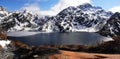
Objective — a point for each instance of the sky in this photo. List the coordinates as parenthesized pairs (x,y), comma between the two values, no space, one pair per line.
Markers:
(52,7)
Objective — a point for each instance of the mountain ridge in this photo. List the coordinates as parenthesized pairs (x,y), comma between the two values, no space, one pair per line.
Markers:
(112,27)
(81,18)
(84,17)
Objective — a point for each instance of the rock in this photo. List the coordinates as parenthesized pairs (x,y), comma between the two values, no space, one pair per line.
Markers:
(3,36)
(1,48)
(116,38)
(34,52)
(112,27)
(19,44)
(110,47)
(5,53)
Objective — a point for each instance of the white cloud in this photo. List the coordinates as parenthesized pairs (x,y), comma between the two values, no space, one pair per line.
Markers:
(115,9)
(33,8)
(62,4)
(31,1)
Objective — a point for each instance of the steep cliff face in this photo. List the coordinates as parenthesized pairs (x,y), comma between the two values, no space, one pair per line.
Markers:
(112,27)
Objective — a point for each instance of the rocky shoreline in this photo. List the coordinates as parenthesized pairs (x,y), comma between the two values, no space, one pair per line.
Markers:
(18,50)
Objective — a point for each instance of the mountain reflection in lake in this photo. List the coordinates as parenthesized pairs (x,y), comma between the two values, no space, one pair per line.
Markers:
(71,38)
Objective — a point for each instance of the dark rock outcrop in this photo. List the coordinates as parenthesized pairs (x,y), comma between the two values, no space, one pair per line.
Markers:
(112,27)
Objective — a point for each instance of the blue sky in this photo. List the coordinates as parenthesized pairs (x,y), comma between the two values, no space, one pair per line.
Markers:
(106,4)
(12,5)
(47,5)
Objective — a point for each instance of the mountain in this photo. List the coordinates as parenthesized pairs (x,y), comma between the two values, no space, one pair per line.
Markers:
(3,12)
(21,20)
(16,21)
(112,27)
(81,18)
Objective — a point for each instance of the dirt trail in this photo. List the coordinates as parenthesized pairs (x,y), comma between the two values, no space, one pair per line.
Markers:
(83,55)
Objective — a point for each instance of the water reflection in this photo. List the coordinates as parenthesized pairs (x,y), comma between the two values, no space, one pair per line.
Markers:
(71,38)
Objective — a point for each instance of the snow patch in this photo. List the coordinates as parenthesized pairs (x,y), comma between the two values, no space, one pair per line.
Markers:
(3,43)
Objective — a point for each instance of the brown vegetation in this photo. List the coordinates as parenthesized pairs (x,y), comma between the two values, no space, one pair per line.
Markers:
(24,51)
(116,38)
(3,36)
(110,47)
(16,43)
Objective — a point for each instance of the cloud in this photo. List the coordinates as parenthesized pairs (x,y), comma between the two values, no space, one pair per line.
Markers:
(33,8)
(62,4)
(31,1)
(115,9)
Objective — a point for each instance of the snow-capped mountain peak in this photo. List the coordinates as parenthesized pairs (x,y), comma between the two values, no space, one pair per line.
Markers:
(3,12)
(17,21)
(81,18)
(112,27)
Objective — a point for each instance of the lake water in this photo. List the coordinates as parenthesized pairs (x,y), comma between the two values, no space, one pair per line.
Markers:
(70,38)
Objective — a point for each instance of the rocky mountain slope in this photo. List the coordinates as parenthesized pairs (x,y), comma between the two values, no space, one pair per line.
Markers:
(17,21)
(72,19)
(112,27)
(81,18)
